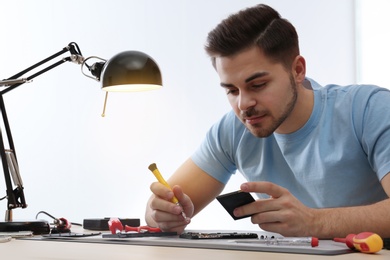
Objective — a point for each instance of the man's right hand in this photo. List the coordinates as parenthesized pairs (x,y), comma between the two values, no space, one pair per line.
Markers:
(163,213)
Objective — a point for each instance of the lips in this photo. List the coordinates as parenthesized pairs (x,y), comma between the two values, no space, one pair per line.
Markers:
(254,119)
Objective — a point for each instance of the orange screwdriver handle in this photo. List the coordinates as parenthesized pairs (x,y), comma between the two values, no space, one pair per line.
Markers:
(365,242)
(368,242)
(347,240)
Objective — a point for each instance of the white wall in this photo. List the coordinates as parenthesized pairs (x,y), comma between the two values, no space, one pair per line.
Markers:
(373,40)
(76,164)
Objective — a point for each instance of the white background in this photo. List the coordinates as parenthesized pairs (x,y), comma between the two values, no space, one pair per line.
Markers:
(76,164)
(373,41)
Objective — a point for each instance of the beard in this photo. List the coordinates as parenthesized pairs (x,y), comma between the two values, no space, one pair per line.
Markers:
(260,130)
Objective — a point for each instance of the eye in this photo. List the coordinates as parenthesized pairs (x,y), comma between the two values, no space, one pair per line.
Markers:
(231,91)
(259,85)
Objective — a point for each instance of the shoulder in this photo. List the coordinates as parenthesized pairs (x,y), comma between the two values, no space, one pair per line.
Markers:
(361,97)
(357,90)
(229,124)
(228,135)
(355,94)
(352,88)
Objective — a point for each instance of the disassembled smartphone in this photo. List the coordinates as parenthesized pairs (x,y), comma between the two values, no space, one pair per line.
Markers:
(217,235)
(235,199)
(71,234)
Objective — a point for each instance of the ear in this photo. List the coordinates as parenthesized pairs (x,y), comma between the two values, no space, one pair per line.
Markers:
(299,69)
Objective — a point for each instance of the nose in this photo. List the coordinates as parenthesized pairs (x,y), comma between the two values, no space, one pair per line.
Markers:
(245,101)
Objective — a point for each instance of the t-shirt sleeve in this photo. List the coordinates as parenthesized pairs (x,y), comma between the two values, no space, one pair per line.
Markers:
(215,154)
(375,130)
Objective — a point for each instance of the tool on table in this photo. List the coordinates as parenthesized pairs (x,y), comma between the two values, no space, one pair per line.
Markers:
(365,242)
(61,225)
(4,239)
(70,234)
(116,226)
(16,234)
(156,172)
(118,231)
(142,229)
(217,235)
(283,241)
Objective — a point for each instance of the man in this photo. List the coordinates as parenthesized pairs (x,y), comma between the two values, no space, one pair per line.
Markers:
(317,157)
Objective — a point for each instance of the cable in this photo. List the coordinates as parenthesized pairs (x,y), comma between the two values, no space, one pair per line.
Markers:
(44,212)
(54,218)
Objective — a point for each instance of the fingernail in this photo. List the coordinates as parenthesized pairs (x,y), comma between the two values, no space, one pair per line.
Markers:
(178,209)
(170,195)
(244,187)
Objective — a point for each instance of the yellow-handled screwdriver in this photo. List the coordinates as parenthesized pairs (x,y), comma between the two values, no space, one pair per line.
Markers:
(153,168)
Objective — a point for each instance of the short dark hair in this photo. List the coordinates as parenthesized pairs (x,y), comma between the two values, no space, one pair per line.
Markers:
(260,26)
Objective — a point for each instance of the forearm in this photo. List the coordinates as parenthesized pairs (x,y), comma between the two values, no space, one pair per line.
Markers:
(339,222)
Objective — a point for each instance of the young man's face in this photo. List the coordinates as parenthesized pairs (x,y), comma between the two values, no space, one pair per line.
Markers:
(262,93)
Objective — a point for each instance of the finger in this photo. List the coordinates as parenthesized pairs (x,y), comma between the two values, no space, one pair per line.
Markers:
(183,199)
(275,227)
(266,217)
(177,190)
(185,203)
(161,191)
(283,228)
(168,222)
(269,188)
(173,226)
(258,206)
(160,204)
(163,216)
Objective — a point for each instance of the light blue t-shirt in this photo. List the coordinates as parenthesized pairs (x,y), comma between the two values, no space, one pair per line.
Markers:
(336,159)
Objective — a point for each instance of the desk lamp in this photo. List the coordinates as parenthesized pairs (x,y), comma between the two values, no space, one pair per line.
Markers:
(126,71)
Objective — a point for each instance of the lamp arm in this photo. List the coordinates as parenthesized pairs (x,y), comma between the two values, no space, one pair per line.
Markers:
(15,197)
(13,82)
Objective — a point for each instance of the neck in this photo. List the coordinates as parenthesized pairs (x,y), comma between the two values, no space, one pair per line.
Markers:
(301,112)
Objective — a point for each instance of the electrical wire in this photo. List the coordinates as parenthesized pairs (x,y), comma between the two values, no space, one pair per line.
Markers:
(51,216)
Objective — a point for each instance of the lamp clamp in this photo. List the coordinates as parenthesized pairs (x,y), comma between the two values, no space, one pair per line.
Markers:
(95,69)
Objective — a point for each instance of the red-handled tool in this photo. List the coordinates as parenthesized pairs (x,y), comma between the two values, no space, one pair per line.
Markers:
(116,226)
(142,229)
(365,242)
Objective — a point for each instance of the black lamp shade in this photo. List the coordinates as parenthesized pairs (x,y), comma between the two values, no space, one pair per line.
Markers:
(131,71)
